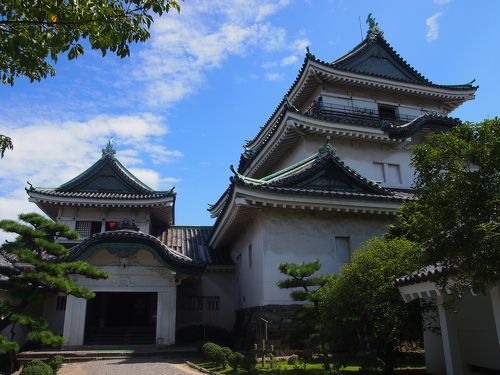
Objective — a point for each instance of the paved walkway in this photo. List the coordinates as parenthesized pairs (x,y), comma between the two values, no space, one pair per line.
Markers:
(129,366)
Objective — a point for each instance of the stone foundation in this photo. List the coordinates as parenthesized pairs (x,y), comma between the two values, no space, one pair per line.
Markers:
(281,320)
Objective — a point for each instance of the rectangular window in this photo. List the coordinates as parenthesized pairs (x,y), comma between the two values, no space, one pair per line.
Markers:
(250,255)
(212,303)
(379,171)
(342,249)
(87,228)
(61,303)
(387,112)
(393,174)
(388,173)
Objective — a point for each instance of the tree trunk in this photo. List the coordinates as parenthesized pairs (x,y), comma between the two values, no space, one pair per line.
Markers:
(389,361)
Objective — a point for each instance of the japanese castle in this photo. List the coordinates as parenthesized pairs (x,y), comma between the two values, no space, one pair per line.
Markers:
(327,171)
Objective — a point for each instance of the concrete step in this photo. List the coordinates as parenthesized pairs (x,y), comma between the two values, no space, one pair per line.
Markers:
(96,352)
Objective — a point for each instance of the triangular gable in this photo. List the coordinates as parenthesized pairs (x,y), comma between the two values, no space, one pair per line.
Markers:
(327,173)
(323,171)
(106,175)
(376,57)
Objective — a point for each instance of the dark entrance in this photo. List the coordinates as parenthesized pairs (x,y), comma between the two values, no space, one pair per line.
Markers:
(121,319)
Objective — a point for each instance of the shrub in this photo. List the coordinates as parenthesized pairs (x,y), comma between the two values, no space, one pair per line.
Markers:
(236,360)
(292,359)
(36,367)
(214,353)
(227,354)
(55,362)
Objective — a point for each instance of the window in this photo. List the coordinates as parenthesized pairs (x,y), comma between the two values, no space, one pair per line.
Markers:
(250,260)
(213,303)
(342,249)
(388,173)
(393,174)
(379,173)
(87,228)
(387,112)
(61,303)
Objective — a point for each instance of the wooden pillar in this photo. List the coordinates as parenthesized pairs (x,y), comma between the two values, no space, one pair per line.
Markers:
(165,316)
(74,320)
(451,343)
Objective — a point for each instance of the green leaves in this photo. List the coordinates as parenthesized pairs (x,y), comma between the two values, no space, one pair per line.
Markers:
(361,308)
(34,33)
(38,269)
(456,217)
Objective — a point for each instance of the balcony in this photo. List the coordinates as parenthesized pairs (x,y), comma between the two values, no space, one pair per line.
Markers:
(356,115)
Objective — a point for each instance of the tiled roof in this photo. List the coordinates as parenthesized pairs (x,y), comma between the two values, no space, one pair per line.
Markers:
(392,66)
(3,261)
(105,179)
(425,274)
(192,242)
(99,195)
(432,121)
(176,259)
(322,174)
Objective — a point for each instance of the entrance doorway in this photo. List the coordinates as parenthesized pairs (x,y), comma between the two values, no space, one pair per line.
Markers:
(116,318)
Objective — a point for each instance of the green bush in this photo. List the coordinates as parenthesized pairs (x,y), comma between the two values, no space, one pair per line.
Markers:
(227,354)
(36,367)
(55,362)
(236,360)
(212,352)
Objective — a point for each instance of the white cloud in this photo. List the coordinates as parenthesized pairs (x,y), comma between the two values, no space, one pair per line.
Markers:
(50,153)
(289,60)
(273,76)
(442,2)
(183,47)
(433,27)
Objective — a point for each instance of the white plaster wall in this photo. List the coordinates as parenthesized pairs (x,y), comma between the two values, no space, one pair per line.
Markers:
(298,236)
(366,98)
(249,287)
(476,329)
(69,215)
(221,284)
(358,155)
(54,318)
(433,344)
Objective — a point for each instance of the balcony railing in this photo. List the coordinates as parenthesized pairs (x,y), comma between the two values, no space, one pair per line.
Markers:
(356,115)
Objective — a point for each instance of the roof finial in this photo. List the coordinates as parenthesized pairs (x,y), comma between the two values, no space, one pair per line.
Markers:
(327,148)
(373,29)
(109,150)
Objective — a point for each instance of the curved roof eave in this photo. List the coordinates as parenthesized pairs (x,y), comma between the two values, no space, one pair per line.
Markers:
(173,259)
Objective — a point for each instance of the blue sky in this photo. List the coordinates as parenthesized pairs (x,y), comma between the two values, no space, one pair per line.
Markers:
(180,108)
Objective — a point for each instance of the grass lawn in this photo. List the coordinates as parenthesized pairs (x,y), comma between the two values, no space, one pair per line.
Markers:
(407,365)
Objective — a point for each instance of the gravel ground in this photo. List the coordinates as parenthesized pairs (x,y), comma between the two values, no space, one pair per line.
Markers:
(129,366)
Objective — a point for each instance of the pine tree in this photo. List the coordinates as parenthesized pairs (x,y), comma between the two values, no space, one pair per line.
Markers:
(35,268)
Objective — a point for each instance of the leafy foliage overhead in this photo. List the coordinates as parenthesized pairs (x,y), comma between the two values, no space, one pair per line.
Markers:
(34,33)
(456,217)
(35,268)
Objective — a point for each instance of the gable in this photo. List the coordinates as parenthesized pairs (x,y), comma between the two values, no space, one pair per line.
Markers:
(378,59)
(329,178)
(106,179)
(324,172)
(107,175)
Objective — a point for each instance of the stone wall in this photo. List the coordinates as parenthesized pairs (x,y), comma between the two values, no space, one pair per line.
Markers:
(281,320)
